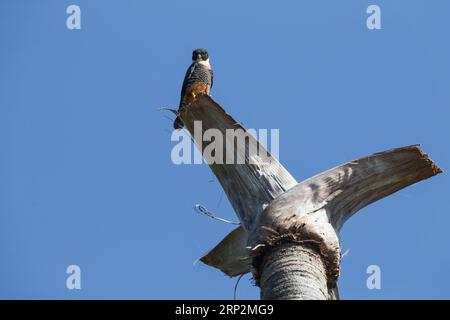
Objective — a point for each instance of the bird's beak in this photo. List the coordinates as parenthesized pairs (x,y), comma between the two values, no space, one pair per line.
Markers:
(199,57)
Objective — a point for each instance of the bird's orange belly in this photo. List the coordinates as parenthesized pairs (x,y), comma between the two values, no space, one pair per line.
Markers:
(193,90)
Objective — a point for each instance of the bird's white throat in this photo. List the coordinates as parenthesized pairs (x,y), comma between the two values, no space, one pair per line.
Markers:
(205,63)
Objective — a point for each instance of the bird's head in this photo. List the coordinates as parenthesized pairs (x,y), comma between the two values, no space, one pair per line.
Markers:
(200,55)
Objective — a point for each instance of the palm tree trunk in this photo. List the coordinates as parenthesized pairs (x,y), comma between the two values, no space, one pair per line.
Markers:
(289,233)
(291,271)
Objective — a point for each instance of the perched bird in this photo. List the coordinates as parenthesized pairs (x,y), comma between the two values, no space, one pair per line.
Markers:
(198,80)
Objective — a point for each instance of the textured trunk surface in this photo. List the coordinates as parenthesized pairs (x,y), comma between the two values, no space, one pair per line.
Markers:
(291,271)
(289,233)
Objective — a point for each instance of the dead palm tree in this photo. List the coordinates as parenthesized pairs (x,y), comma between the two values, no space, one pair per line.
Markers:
(289,233)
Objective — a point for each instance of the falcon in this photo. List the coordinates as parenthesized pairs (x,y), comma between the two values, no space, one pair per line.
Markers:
(198,80)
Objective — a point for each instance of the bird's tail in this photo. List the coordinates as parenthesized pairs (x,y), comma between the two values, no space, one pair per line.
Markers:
(178,123)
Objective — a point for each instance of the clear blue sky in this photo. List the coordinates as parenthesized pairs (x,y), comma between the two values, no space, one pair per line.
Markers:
(85,171)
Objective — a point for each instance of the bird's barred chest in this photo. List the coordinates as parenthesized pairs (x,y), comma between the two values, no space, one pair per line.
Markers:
(200,74)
